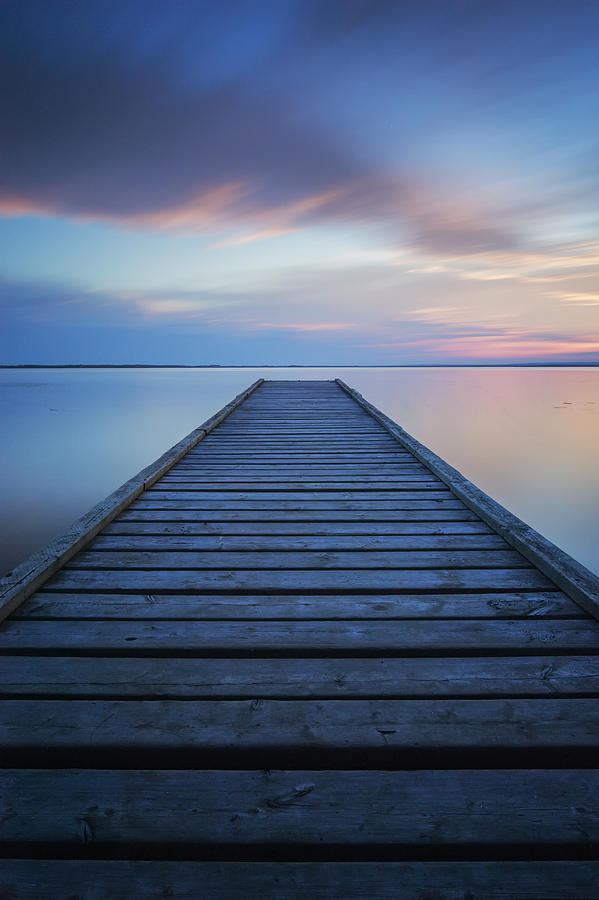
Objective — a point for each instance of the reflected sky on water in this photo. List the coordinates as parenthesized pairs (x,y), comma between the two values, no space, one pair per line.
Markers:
(529,437)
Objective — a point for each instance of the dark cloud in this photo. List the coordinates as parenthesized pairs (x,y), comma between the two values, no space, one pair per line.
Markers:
(102,120)
(129,111)
(107,137)
(99,121)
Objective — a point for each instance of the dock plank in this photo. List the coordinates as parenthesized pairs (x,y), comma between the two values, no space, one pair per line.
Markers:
(382,726)
(411,513)
(506,605)
(448,636)
(326,580)
(161,558)
(352,808)
(323,528)
(363,543)
(91,879)
(320,678)
(329,494)
(405,492)
(200,481)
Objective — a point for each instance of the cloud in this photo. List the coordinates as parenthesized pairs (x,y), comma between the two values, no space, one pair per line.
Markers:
(360,314)
(306,326)
(577,298)
(557,263)
(41,302)
(182,135)
(497,342)
(224,117)
(104,137)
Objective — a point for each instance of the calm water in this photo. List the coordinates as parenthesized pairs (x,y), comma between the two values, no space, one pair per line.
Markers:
(529,437)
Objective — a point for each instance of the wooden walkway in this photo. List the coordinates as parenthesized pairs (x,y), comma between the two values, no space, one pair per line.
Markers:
(303,661)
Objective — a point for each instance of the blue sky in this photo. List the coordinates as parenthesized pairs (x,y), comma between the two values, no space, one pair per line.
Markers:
(299,182)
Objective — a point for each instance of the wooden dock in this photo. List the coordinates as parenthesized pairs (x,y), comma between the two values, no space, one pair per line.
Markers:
(300,656)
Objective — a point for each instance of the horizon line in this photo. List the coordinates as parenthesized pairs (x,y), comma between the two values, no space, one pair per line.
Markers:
(460,365)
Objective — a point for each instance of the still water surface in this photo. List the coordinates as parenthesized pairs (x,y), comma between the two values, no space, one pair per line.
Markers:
(528,437)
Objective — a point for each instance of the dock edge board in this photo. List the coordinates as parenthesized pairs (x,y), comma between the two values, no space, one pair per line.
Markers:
(29,575)
(567,573)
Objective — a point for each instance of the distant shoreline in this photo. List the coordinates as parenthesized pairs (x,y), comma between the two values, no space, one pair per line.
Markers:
(532,365)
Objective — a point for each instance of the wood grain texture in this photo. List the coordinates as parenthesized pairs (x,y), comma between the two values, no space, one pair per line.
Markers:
(199,481)
(365,529)
(27,879)
(353,808)
(273,542)
(506,605)
(302,580)
(219,638)
(409,512)
(264,677)
(318,725)
(264,560)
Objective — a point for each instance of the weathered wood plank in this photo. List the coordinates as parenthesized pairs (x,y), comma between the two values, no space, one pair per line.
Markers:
(301,439)
(448,636)
(337,426)
(323,528)
(321,450)
(179,480)
(310,408)
(223,495)
(301,430)
(420,490)
(287,419)
(329,466)
(281,447)
(273,393)
(152,501)
(189,515)
(31,879)
(300,455)
(537,604)
(347,677)
(256,424)
(257,428)
(303,559)
(290,422)
(326,580)
(361,725)
(262,471)
(273,542)
(354,808)
(332,463)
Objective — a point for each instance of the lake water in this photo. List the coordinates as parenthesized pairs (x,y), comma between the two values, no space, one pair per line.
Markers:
(528,437)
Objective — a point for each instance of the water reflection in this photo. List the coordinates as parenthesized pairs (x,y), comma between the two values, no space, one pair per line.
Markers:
(529,437)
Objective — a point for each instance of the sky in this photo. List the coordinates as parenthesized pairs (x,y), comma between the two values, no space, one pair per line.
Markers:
(299,182)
